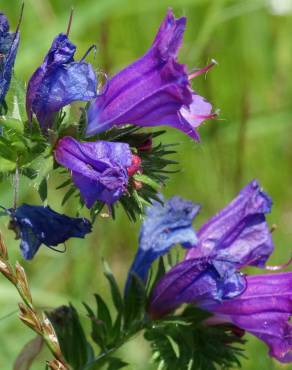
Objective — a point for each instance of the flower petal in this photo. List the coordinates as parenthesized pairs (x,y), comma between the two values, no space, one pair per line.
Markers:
(193,281)
(8,48)
(238,233)
(41,225)
(150,91)
(263,310)
(99,169)
(164,226)
(59,81)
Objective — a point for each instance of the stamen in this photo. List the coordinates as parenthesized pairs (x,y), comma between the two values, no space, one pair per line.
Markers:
(279,267)
(205,116)
(70,22)
(203,70)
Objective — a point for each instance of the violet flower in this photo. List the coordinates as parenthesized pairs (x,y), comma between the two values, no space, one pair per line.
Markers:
(38,225)
(8,48)
(237,236)
(154,90)
(264,310)
(99,169)
(165,225)
(238,233)
(59,81)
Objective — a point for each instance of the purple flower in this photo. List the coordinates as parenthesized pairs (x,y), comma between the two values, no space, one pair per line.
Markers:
(165,225)
(238,233)
(237,236)
(59,81)
(8,48)
(154,90)
(264,310)
(99,169)
(38,225)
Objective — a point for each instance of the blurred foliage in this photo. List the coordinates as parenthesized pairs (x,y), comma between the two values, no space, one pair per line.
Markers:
(252,86)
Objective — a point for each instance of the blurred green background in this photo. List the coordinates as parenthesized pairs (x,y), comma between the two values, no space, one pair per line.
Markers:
(252,86)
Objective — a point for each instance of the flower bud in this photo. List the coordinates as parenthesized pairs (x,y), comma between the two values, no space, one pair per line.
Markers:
(135,165)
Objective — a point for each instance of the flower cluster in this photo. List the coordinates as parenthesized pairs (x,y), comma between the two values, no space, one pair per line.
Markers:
(107,160)
(209,276)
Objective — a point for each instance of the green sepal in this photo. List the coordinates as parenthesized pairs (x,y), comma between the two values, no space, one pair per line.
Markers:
(76,349)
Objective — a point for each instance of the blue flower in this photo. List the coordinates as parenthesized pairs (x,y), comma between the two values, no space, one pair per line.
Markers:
(8,48)
(59,81)
(38,225)
(164,226)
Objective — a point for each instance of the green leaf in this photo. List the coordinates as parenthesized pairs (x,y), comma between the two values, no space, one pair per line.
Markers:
(135,301)
(68,195)
(43,189)
(103,312)
(147,180)
(6,165)
(75,348)
(12,124)
(115,291)
(183,342)
(116,363)
(42,166)
(98,333)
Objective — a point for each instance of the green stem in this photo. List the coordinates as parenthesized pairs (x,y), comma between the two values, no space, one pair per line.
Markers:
(104,355)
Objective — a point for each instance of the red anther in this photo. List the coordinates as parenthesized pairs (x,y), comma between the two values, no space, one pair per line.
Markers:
(137,184)
(238,331)
(146,146)
(135,165)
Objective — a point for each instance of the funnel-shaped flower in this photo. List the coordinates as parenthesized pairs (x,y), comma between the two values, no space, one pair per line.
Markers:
(263,309)
(239,232)
(59,81)
(165,225)
(152,91)
(237,236)
(38,225)
(8,48)
(99,169)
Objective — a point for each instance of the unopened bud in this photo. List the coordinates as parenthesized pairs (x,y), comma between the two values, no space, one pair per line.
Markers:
(135,165)
(146,146)
(238,331)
